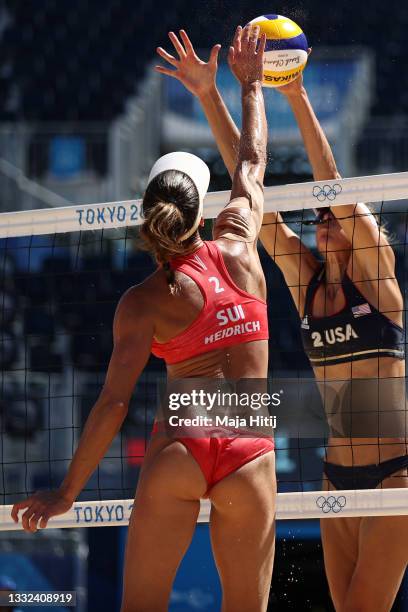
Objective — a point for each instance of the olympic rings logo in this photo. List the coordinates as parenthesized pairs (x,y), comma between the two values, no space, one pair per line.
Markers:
(327,192)
(331,503)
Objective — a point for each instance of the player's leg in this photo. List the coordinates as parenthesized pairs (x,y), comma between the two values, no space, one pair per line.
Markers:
(340,551)
(382,561)
(161,527)
(242,528)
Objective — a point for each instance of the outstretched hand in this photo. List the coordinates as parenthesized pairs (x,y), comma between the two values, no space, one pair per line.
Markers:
(197,76)
(40,507)
(245,59)
(294,88)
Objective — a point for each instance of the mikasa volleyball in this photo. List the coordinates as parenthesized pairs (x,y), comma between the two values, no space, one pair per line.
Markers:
(285,51)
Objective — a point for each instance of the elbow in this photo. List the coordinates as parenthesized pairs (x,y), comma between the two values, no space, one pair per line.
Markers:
(113,403)
(259,159)
(255,159)
(117,409)
(252,151)
(120,406)
(116,412)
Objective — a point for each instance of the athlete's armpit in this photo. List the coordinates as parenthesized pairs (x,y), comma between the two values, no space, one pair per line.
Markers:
(236,223)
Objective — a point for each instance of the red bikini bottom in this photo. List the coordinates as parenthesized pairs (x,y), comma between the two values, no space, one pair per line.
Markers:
(220,456)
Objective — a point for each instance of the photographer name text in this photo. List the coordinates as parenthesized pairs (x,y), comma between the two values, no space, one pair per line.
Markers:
(223,421)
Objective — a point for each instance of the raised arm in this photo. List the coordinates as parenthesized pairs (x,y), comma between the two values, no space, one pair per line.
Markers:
(200,79)
(295,260)
(316,144)
(133,333)
(370,247)
(246,62)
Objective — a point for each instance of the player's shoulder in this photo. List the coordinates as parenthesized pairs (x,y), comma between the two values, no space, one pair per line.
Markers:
(140,299)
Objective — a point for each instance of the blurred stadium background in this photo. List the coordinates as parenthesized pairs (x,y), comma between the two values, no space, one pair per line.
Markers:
(82,118)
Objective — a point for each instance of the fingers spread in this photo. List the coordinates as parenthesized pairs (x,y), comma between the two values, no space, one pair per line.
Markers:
(245,36)
(237,39)
(177,45)
(167,71)
(214,54)
(169,58)
(253,37)
(187,42)
(231,55)
(262,44)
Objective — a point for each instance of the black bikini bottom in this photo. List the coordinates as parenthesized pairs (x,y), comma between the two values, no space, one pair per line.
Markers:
(345,477)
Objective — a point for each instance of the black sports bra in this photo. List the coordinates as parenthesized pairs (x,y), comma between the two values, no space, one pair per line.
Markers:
(359,331)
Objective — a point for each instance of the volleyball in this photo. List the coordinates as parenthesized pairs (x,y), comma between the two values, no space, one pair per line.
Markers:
(285,51)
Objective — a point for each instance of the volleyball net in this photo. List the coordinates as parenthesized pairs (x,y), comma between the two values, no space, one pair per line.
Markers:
(62,272)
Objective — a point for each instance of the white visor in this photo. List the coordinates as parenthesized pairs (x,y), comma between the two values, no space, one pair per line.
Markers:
(195,169)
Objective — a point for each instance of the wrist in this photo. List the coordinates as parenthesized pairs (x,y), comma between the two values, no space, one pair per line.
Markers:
(67,493)
(251,85)
(299,95)
(207,93)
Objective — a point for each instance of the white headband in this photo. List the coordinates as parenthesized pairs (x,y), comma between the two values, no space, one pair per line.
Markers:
(195,169)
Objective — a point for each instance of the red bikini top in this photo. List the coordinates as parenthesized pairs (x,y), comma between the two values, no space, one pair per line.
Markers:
(229,316)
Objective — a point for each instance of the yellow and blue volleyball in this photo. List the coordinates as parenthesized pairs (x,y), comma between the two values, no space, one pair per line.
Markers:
(285,51)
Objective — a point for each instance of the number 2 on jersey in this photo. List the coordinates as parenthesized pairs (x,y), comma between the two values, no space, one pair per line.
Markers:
(217,286)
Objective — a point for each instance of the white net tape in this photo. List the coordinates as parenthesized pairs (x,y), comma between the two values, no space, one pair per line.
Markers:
(109,215)
(302,505)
